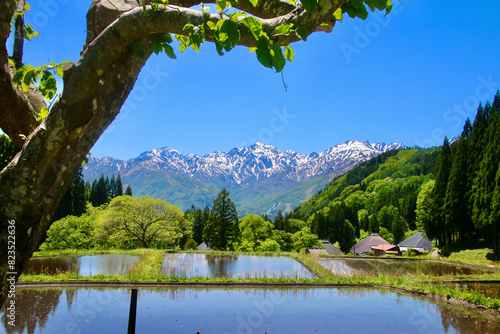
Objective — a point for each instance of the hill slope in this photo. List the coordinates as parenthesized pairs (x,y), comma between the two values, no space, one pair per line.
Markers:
(261,178)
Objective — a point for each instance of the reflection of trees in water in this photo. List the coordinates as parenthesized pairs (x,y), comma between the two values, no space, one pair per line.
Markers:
(367,266)
(465,323)
(33,307)
(219,264)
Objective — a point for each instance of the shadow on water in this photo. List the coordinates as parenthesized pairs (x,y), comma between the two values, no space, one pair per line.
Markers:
(245,266)
(88,265)
(237,310)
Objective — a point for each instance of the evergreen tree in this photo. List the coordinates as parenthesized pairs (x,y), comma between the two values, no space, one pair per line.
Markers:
(118,186)
(484,182)
(457,218)
(437,224)
(198,225)
(319,225)
(79,194)
(399,227)
(222,229)
(128,191)
(348,238)
(99,193)
(373,223)
(111,187)
(278,221)
(73,202)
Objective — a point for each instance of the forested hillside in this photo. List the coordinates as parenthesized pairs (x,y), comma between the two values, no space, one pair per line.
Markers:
(379,195)
(451,192)
(464,203)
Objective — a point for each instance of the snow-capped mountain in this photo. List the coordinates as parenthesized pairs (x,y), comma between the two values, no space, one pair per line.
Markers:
(259,177)
(241,166)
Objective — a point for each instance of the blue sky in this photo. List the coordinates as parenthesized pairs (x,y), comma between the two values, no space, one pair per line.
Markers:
(411,77)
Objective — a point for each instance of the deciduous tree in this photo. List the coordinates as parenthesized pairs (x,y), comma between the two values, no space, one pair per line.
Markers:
(142,221)
(121,36)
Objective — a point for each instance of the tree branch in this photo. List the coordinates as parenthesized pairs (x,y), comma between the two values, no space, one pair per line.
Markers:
(17,55)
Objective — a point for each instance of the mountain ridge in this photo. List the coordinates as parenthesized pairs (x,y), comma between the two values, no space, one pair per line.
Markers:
(257,166)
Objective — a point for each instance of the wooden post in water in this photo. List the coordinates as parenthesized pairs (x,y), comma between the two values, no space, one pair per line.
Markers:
(133,312)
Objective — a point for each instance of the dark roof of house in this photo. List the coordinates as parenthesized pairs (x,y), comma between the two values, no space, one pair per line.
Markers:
(418,240)
(331,249)
(365,245)
(203,247)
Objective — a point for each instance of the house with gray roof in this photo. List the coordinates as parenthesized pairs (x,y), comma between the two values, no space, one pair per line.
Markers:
(418,242)
(331,249)
(366,245)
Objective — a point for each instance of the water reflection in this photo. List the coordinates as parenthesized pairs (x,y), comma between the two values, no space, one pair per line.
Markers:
(361,267)
(88,265)
(187,310)
(245,266)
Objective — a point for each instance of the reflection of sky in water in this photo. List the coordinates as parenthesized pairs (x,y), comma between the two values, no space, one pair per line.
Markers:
(246,266)
(237,310)
(108,264)
(343,267)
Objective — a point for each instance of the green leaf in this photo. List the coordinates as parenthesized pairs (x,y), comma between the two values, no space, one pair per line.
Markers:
(362,13)
(157,46)
(226,35)
(12,62)
(289,53)
(42,114)
(236,16)
(351,11)
(356,3)
(338,14)
(309,5)
(139,49)
(210,25)
(26,6)
(255,26)
(220,5)
(263,53)
(283,29)
(48,85)
(253,2)
(301,32)
(18,77)
(277,57)
(169,51)
(60,71)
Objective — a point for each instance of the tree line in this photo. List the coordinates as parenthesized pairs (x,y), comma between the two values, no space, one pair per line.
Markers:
(463,203)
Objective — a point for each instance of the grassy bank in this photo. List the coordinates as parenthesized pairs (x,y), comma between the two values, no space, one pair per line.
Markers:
(148,270)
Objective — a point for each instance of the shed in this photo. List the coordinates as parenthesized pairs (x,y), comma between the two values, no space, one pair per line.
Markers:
(365,246)
(386,249)
(204,247)
(331,249)
(418,241)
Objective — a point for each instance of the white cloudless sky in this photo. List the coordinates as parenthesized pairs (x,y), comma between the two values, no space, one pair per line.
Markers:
(413,76)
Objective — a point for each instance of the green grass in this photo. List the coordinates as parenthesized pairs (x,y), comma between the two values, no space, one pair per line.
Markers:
(148,270)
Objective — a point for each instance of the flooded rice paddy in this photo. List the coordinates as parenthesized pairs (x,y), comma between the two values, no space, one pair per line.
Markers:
(361,267)
(88,265)
(234,266)
(231,310)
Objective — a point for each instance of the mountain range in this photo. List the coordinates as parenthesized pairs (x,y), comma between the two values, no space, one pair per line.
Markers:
(261,178)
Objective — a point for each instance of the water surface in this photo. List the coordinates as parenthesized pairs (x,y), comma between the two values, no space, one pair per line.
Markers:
(188,310)
(88,265)
(357,267)
(245,266)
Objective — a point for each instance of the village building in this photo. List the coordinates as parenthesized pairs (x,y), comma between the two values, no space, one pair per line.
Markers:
(418,242)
